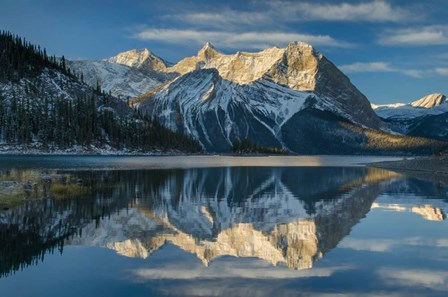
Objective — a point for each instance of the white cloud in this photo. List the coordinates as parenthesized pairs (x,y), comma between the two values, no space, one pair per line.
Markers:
(436,280)
(275,12)
(249,40)
(379,67)
(414,72)
(442,71)
(367,67)
(367,245)
(223,18)
(231,270)
(374,11)
(432,35)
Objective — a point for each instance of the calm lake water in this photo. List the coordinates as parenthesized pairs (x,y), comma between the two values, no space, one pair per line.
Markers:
(219,226)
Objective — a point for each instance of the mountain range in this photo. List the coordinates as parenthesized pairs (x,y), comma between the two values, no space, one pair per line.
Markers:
(292,98)
(289,99)
(425,117)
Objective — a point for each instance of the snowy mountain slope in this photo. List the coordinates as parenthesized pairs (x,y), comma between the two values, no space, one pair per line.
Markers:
(432,104)
(122,81)
(426,117)
(217,111)
(49,83)
(143,59)
(126,75)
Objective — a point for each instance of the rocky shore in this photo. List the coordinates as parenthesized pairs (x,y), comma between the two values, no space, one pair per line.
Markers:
(434,168)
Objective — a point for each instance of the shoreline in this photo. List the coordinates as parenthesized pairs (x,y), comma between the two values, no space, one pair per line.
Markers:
(433,168)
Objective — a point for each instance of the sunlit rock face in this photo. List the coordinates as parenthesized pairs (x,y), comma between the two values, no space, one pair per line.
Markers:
(143,59)
(430,101)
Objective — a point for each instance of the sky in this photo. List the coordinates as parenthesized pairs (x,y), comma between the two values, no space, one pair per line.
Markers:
(392,50)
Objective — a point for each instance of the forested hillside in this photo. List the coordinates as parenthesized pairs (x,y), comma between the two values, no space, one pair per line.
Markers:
(44,105)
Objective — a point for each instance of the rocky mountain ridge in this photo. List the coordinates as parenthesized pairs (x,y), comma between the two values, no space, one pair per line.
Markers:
(425,117)
(432,104)
(288,98)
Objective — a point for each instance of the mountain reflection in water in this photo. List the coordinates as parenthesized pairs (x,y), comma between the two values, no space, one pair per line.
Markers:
(289,216)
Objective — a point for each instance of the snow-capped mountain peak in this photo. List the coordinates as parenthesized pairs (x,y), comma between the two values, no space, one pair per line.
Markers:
(143,59)
(126,75)
(432,104)
(208,51)
(430,101)
(425,117)
(247,67)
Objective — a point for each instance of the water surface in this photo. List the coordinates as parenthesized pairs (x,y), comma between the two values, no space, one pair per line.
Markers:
(85,227)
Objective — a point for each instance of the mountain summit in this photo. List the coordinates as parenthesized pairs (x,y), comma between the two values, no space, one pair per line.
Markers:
(143,59)
(430,101)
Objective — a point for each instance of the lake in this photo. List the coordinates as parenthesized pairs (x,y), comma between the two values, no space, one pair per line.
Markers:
(219,226)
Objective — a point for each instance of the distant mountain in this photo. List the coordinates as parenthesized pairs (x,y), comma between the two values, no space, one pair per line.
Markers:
(126,75)
(143,59)
(429,105)
(120,80)
(292,98)
(425,117)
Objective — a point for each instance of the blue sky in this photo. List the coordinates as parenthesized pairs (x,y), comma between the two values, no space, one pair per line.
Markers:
(392,50)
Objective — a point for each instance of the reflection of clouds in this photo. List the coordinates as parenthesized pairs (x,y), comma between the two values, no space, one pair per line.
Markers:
(367,245)
(232,269)
(442,243)
(386,245)
(436,280)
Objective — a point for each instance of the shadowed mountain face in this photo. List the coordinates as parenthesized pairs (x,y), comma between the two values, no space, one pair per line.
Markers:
(289,216)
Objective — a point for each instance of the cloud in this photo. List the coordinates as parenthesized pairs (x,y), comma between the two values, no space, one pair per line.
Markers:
(431,35)
(367,67)
(436,280)
(224,18)
(442,71)
(386,245)
(374,11)
(228,270)
(248,40)
(360,67)
(367,245)
(275,12)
